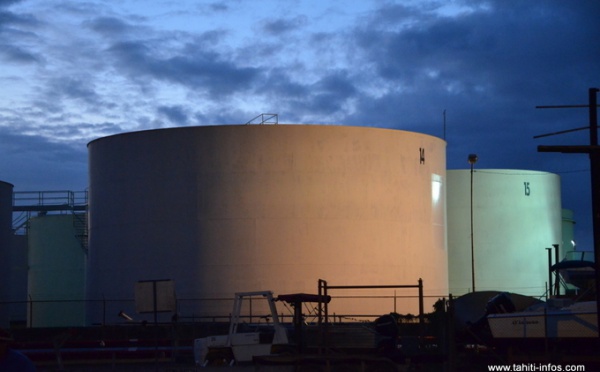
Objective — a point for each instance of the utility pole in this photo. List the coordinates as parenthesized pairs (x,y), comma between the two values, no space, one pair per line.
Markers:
(472,160)
(594,153)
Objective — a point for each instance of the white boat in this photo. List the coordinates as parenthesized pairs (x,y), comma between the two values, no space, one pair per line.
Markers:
(578,320)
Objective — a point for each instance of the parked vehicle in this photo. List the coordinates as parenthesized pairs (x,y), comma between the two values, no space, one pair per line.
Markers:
(244,340)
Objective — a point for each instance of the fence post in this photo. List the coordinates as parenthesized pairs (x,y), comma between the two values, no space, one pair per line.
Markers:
(421,315)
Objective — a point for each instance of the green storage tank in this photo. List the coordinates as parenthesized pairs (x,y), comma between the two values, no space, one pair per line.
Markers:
(56,278)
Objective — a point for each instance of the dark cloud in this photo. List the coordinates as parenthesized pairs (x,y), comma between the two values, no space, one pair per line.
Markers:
(303,100)
(6,3)
(219,7)
(329,94)
(209,38)
(14,30)
(281,26)
(175,114)
(498,63)
(508,50)
(8,18)
(200,70)
(78,88)
(72,135)
(109,26)
(279,86)
(60,166)
(14,53)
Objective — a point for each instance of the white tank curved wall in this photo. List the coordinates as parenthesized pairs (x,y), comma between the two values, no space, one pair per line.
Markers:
(568,232)
(516,215)
(223,209)
(56,273)
(6,191)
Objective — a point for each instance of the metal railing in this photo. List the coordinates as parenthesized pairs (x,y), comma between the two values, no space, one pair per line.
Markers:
(35,312)
(32,199)
(579,256)
(42,202)
(265,119)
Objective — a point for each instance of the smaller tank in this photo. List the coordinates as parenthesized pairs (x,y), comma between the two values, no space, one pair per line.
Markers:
(56,284)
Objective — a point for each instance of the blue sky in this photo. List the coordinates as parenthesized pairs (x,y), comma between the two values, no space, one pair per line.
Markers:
(76,71)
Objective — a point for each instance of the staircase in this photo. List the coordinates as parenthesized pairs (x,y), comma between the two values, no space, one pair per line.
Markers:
(80,224)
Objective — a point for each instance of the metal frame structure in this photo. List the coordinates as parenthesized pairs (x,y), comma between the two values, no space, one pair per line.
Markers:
(43,202)
(323,308)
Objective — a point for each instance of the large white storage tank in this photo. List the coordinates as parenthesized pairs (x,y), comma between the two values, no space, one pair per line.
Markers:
(516,215)
(56,278)
(6,191)
(223,209)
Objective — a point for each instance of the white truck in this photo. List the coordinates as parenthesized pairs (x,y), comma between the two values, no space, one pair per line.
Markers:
(243,341)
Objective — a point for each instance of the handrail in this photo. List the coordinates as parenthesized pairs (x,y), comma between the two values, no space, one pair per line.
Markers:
(62,201)
(579,256)
(45,198)
(265,119)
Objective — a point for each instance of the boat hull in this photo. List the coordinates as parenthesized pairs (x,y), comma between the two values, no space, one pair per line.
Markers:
(550,324)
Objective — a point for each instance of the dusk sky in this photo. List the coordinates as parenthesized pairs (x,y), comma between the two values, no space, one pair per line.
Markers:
(74,71)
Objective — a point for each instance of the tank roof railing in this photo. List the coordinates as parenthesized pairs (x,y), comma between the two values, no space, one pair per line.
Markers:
(579,256)
(45,201)
(265,119)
